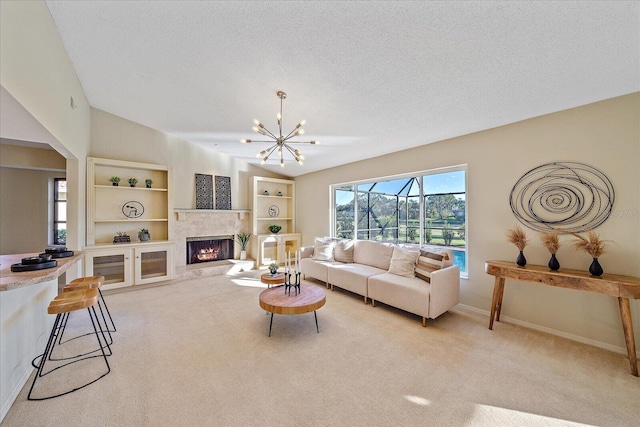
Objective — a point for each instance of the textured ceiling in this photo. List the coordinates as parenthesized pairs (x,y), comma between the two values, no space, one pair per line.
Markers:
(369,77)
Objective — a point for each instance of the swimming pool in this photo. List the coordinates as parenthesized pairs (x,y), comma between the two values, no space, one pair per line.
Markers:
(460,259)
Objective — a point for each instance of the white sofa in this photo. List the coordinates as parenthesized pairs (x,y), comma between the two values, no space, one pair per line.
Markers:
(367,270)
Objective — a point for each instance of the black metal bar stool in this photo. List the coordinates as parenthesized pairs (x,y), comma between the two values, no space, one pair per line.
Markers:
(61,305)
(89,282)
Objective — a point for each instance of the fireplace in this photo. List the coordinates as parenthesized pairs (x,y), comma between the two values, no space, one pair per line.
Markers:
(209,248)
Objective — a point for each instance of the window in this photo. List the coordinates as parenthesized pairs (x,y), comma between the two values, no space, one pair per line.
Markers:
(59,211)
(426,208)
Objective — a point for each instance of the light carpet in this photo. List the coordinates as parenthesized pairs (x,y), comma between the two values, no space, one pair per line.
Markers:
(196,353)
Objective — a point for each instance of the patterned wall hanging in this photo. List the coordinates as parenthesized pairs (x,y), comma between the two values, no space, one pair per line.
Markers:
(204,191)
(223,192)
(566,196)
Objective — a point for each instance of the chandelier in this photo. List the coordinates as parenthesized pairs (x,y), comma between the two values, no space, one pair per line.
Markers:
(282,143)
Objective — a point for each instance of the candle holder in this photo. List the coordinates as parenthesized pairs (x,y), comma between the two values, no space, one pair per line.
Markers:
(288,284)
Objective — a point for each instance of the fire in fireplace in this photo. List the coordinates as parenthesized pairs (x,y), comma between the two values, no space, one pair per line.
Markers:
(209,248)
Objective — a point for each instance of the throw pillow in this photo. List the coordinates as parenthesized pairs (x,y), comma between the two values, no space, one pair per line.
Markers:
(429,262)
(403,263)
(323,249)
(343,251)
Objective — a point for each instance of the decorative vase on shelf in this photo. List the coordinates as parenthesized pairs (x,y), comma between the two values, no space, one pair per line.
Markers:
(243,255)
(521,260)
(554,265)
(595,269)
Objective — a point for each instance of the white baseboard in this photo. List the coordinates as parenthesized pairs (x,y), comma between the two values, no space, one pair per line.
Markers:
(572,337)
(15,392)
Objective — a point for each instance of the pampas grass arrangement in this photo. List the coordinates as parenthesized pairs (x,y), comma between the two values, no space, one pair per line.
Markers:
(592,245)
(551,241)
(518,237)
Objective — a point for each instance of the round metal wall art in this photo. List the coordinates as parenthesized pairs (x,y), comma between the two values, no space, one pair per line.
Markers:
(567,196)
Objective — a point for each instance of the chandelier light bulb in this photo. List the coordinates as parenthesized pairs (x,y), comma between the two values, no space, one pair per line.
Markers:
(245,141)
(281,163)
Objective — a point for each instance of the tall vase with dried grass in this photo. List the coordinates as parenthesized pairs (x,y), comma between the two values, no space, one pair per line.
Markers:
(551,241)
(518,237)
(594,246)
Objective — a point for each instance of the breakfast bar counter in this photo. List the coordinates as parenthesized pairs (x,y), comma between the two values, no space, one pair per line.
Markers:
(12,280)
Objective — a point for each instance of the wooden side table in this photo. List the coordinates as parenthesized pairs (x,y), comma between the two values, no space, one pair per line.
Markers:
(310,298)
(272,280)
(621,287)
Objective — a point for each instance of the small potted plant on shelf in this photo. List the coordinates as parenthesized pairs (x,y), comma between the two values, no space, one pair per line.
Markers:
(273,268)
(114,180)
(148,183)
(275,228)
(243,241)
(133,182)
(143,235)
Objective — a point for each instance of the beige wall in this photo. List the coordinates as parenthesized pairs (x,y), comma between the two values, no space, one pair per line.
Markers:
(25,202)
(35,69)
(604,134)
(26,182)
(113,137)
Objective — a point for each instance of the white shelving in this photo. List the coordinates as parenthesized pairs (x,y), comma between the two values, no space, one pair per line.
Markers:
(109,212)
(275,208)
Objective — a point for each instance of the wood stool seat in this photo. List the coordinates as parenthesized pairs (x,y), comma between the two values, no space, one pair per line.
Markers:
(91,282)
(61,306)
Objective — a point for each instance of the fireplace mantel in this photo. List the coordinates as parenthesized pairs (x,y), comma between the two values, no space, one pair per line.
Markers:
(181,214)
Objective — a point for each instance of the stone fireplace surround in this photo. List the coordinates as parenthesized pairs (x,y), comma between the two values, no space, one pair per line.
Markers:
(206,222)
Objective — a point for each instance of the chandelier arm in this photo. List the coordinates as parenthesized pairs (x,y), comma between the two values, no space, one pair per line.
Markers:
(270,151)
(291,150)
(296,142)
(269,132)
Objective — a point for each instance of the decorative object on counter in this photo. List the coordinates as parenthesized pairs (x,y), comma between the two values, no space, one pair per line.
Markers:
(132,182)
(148,182)
(273,268)
(143,235)
(274,211)
(275,228)
(114,180)
(58,252)
(34,263)
(551,241)
(518,237)
(243,241)
(204,191)
(568,195)
(280,193)
(594,246)
(223,192)
(265,193)
(122,237)
(280,143)
(133,209)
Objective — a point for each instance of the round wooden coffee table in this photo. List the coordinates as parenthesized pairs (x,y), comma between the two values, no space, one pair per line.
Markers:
(310,298)
(271,279)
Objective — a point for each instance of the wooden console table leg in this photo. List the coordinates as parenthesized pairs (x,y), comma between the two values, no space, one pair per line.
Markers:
(627,326)
(496,301)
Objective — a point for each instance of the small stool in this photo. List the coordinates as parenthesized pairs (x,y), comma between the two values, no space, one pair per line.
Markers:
(91,282)
(61,305)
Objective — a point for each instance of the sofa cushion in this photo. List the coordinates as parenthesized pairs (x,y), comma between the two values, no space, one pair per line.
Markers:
(323,249)
(403,262)
(429,262)
(372,253)
(343,251)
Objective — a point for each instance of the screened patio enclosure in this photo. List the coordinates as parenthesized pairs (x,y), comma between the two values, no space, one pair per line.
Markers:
(426,209)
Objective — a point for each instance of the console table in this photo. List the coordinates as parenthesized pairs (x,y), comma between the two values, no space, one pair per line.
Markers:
(622,287)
